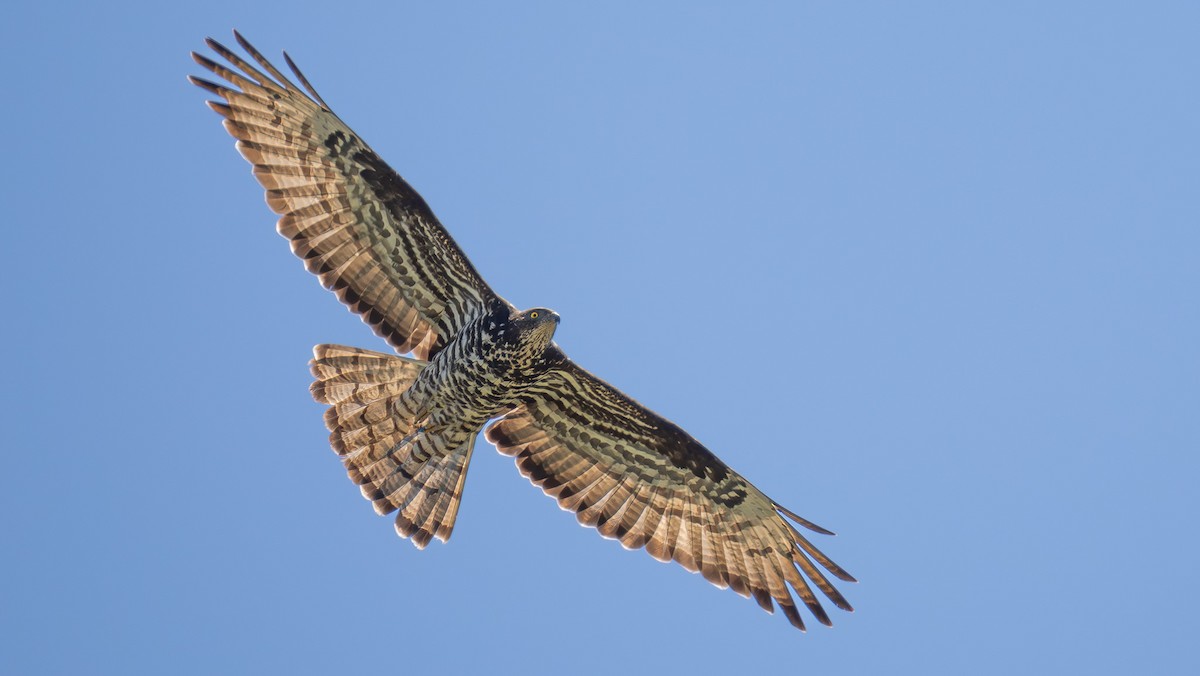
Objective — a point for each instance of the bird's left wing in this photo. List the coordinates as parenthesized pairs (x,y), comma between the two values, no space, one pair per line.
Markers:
(638,478)
(367,235)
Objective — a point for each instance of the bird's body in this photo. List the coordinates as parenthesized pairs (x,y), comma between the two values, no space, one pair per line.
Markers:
(393,417)
(405,427)
(485,369)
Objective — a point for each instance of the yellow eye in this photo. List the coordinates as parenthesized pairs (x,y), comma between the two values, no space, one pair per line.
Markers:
(533,315)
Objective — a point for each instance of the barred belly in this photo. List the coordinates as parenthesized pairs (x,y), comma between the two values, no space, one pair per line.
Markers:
(480,374)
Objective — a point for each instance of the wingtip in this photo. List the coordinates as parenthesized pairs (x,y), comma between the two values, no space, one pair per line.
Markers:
(823,618)
(801,520)
(304,81)
(793,617)
(203,60)
(814,527)
(241,40)
(207,85)
(219,108)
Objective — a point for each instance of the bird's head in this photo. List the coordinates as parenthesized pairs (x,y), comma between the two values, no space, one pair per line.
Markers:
(536,326)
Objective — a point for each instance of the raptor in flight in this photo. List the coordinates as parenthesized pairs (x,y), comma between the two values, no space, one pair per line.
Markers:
(405,426)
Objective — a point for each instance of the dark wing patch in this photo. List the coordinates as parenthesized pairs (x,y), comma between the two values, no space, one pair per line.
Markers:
(358,226)
(638,478)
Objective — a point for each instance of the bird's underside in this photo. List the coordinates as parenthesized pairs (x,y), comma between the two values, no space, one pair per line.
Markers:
(405,427)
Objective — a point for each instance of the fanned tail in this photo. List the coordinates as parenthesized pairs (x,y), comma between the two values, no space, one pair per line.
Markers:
(379,433)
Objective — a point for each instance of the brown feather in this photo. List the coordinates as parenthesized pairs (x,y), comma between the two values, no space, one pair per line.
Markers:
(358,225)
(638,478)
(399,466)
(372,240)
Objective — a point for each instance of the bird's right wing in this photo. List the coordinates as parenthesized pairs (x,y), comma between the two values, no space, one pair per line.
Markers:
(358,226)
(639,478)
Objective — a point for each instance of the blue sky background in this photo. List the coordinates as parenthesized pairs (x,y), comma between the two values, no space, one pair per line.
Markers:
(927,273)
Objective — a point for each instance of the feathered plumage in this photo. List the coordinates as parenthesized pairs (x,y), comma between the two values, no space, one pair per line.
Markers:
(405,427)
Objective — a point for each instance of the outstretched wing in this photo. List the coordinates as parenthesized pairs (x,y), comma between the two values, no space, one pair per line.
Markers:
(359,227)
(640,479)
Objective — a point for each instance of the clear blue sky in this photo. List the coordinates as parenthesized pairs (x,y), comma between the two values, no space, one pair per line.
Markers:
(927,273)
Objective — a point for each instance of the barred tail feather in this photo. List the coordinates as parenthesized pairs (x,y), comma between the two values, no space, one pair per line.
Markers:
(434,495)
(380,436)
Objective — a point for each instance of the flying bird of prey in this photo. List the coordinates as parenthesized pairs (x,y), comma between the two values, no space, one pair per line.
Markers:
(405,426)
